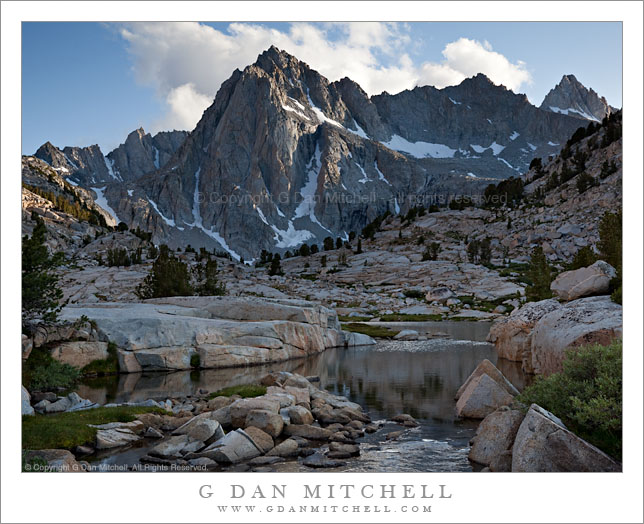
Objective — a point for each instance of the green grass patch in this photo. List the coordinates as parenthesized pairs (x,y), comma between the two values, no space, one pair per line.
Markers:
(244,391)
(107,366)
(67,430)
(308,276)
(371,330)
(586,395)
(404,317)
(347,318)
(41,372)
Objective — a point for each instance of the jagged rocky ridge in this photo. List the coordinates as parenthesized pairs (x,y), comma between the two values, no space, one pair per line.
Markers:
(570,97)
(284,157)
(87,166)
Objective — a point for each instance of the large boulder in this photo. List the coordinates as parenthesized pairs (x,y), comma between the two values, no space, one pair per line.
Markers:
(240,409)
(58,460)
(584,282)
(593,320)
(439,294)
(27,346)
(481,397)
(263,440)
(235,447)
(173,446)
(80,353)
(202,427)
(268,421)
(495,435)
(115,437)
(511,335)
(543,443)
(407,334)
(299,415)
(486,367)
(25,401)
(357,339)
(307,431)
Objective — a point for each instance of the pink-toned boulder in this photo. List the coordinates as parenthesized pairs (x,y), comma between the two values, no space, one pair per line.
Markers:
(481,397)
(486,367)
(584,282)
(511,335)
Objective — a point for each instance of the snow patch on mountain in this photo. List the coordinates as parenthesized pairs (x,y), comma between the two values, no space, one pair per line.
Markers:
(168,221)
(419,149)
(101,201)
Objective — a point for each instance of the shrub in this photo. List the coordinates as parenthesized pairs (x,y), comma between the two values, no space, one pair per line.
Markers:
(585,181)
(586,395)
(414,293)
(41,372)
(432,251)
(195,360)
(40,292)
(107,366)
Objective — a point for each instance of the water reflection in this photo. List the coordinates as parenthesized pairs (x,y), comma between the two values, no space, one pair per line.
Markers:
(392,377)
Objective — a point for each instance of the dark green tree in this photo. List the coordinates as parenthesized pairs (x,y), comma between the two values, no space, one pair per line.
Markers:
(305,250)
(584,257)
(169,277)
(122,226)
(276,268)
(328,244)
(338,243)
(359,248)
(314,249)
(610,239)
(40,292)
(209,284)
(539,276)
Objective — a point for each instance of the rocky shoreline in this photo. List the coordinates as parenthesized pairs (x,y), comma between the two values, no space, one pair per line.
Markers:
(293,421)
(514,437)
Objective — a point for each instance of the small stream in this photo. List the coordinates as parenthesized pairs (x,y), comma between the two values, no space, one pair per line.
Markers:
(392,377)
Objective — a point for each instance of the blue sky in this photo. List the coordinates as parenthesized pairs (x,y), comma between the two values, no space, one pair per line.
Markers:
(86,83)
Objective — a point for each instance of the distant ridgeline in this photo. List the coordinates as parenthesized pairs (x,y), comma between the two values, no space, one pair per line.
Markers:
(283,157)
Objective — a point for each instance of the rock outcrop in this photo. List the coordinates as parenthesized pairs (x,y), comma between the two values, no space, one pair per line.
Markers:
(222,331)
(538,333)
(593,320)
(584,282)
(543,443)
(511,335)
(495,436)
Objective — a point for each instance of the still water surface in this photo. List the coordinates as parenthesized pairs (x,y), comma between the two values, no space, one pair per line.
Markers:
(392,377)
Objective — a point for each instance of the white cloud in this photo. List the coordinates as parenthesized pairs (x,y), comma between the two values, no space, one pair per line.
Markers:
(186,62)
(186,107)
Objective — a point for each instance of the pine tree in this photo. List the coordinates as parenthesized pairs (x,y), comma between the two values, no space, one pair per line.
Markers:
(210,285)
(40,293)
(539,275)
(359,249)
(169,277)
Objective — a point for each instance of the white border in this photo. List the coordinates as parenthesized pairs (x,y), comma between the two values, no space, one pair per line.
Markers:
(172,498)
